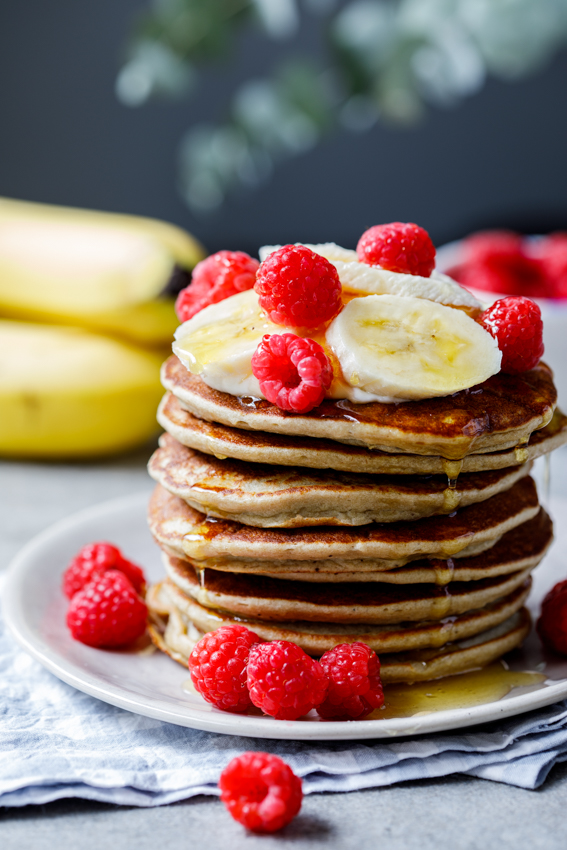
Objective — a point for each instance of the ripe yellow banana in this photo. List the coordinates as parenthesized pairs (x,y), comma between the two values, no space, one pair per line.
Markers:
(151,324)
(71,264)
(393,348)
(70,393)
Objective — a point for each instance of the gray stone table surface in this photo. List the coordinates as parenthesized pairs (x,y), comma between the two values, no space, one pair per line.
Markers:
(457,812)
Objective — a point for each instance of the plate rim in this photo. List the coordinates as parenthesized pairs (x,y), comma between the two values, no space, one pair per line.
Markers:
(213,720)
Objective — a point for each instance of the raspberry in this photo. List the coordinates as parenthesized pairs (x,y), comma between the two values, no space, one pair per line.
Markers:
(495,261)
(107,612)
(214,279)
(260,791)
(554,263)
(355,688)
(94,560)
(515,323)
(293,372)
(552,624)
(283,681)
(218,667)
(398,247)
(486,245)
(298,287)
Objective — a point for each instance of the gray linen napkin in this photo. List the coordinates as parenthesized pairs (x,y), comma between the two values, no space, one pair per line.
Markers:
(58,742)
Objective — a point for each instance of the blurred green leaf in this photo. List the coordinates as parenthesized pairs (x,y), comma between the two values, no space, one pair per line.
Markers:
(379,59)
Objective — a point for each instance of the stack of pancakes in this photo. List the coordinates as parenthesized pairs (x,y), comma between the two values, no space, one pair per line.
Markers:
(413,527)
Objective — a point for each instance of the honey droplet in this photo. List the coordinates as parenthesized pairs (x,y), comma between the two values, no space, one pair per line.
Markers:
(521,454)
(452,469)
(464,690)
(451,499)
(444,571)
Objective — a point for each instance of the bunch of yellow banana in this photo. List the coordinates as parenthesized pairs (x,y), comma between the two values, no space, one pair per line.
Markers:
(83,327)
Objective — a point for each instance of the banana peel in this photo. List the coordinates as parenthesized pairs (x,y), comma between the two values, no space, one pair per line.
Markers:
(71,264)
(69,393)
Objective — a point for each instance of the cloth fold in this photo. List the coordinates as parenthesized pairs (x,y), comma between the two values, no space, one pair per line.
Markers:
(57,742)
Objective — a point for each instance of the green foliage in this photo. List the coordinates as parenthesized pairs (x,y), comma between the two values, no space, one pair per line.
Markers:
(380,60)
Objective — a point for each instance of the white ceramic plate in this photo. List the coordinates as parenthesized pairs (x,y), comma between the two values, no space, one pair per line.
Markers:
(152,684)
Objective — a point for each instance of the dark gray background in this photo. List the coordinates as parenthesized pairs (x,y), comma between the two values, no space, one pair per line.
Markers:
(497,159)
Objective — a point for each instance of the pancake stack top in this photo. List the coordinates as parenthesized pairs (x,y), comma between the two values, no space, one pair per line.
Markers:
(413,526)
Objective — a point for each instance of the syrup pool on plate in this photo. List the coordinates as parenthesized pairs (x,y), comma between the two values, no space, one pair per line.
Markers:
(464,690)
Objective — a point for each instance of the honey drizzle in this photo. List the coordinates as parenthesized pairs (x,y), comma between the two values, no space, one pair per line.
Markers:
(464,690)
(444,571)
(451,499)
(452,469)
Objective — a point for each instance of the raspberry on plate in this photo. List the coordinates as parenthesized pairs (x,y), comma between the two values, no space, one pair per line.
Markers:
(355,687)
(552,624)
(260,791)
(107,612)
(218,667)
(284,681)
(399,247)
(515,323)
(219,276)
(298,287)
(293,372)
(95,559)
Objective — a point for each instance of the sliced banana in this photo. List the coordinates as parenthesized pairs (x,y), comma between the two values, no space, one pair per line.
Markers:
(329,250)
(394,348)
(219,341)
(372,280)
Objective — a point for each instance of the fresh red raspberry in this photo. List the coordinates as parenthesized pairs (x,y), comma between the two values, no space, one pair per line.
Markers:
(283,681)
(554,263)
(516,325)
(218,667)
(298,287)
(260,791)
(497,261)
(486,245)
(107,612)
(552,624)
(398,247)
(214,279)
(355,687)
(94,560)
(293,372)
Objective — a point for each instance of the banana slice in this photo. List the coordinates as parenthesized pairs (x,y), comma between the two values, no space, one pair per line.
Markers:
(329,250)
(219,341)
(394,348)
(372,280)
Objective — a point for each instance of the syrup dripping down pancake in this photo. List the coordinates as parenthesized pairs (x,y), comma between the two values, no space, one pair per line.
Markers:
(224,441)
(267,496)
(500,413)
(521,548)
(178,528)
(260,598)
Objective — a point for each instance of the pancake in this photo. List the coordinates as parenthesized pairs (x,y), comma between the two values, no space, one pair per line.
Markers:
(260,447)
(260,598)
(408,652)
(501,413)
(179,528)
(278,497)
(521,548)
